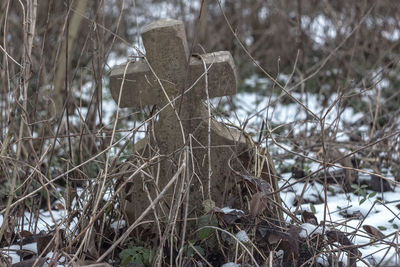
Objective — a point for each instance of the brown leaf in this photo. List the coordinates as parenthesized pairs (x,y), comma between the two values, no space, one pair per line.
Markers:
(290,246)
(374,232)
(58,206)
(8,236)
(352,252)
(103,264)
(258,203)
(398,206)
(257,184)
(309,217)
(42,243)
(92,248)
(227,215)
(274,238)
(25,233)
(378,184)
(30,262)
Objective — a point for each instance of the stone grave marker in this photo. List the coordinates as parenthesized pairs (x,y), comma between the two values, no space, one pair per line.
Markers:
(169,64)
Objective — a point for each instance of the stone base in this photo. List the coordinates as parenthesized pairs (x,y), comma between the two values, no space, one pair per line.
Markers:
(228,161)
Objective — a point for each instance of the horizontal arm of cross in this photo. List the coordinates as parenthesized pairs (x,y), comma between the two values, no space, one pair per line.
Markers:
(140,87)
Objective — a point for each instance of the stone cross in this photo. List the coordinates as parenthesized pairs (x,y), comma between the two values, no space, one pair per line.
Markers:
(168,72)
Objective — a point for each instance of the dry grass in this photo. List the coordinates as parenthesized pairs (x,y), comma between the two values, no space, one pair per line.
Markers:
(66,168)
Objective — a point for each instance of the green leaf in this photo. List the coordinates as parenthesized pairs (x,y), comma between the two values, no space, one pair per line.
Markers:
(312,207)
(132,255)
(206,220)
(363,194)
(395,226)
(190,251)
(147,257)
(372,195)
(126,260)
(204,233)
(355,186)
(211,241)
(125,256)
(200,250)
(362,200)
(382,228)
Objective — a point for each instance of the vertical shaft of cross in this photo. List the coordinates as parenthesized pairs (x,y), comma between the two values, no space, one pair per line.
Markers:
(169,58)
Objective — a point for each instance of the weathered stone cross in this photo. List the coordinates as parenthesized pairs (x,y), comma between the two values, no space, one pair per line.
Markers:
(170,65)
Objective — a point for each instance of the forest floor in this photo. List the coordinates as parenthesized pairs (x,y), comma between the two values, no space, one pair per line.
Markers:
(369,216)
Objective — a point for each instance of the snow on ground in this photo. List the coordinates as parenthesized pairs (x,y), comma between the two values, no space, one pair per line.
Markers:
(44,223)
(378,211)
(253,107)
(375,211)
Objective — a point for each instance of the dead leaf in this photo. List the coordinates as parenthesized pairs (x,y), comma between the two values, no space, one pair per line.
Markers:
(258,203)
(8,236)
(352,252)
(30,262)
(274,238)
(58,206)
(348,175)
(97,265)
(378,184)
(257,184)
(373,232)
(309,217)
(25,233)
(228,215)
(42,243)
(25,254)
(290,246)
(92,248)
(273,235)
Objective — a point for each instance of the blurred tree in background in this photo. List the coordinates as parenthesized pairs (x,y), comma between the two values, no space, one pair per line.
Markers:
(342,47)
